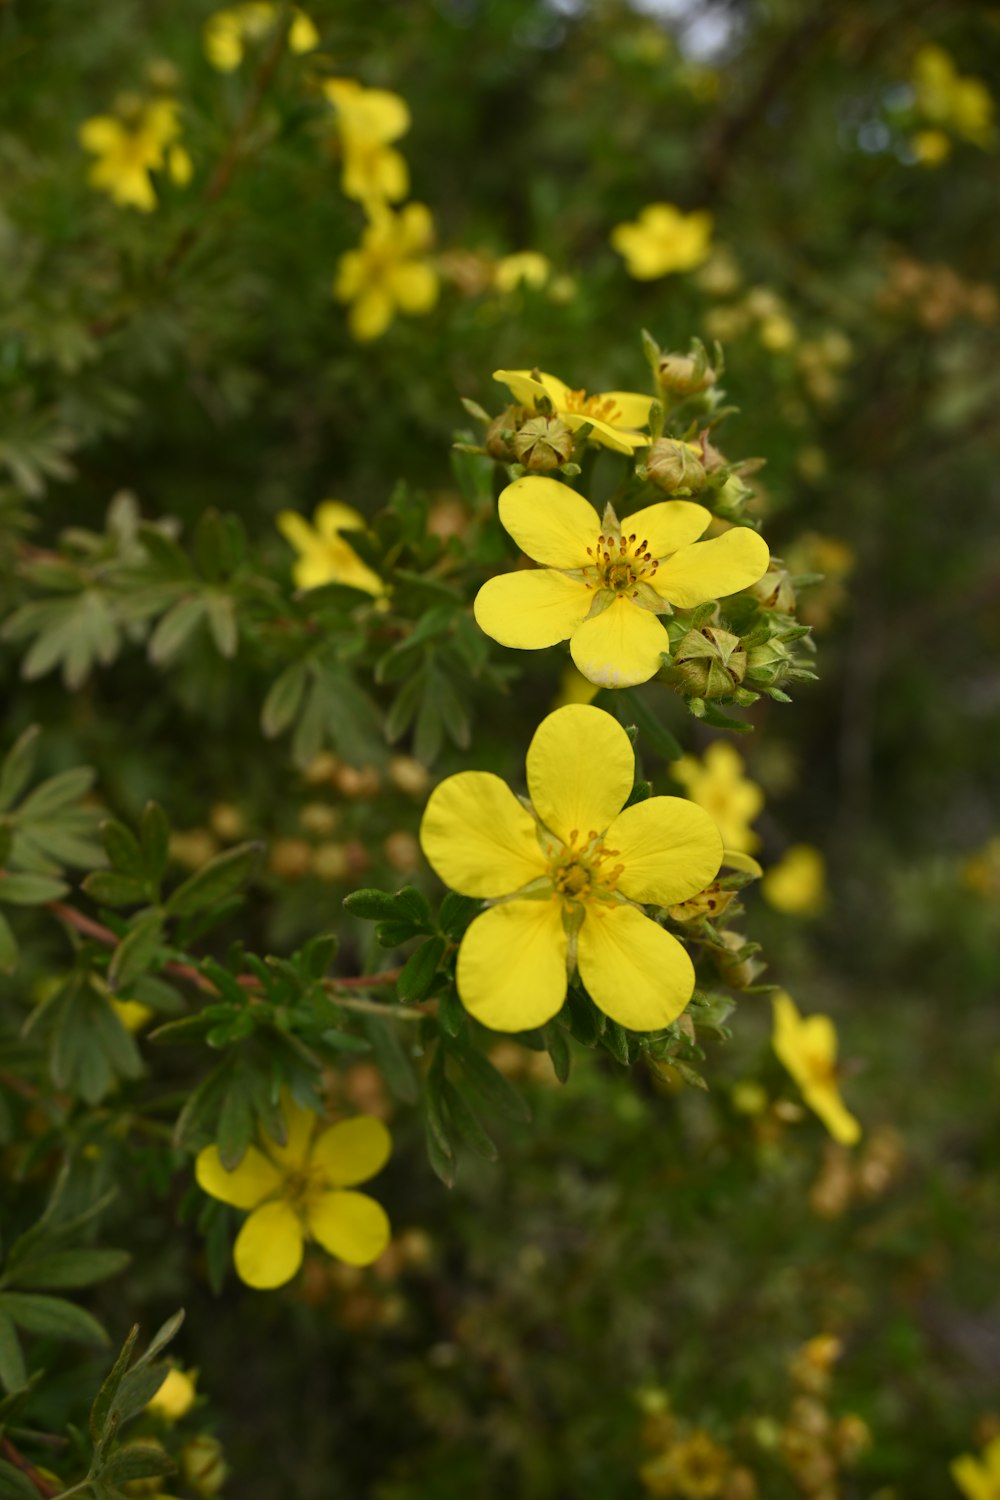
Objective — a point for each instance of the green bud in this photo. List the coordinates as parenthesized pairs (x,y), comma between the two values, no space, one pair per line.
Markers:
(672,467)
(686,374)
(775,590)
(769,664)
(500,432)
(543,443)
(710,663)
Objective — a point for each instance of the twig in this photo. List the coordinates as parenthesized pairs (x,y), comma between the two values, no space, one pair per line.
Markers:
(16,1457)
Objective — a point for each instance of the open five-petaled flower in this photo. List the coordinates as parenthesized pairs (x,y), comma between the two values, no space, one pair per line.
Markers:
(300,1191)
(604,583)
(568,876)
(807,1045)
(612,416)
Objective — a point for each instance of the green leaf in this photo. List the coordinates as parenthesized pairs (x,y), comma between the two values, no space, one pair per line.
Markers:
(53,795)
(108,888)
(52,1317)
(456,913)
(558,1049)
(284,699)
(164,1335)
(135,952)
(420,970)
(442,1159)
(14,1484)
(174,629)
(31,890)
(8,947)
(215,882)
(370,904)
(492,1087)
(222,624)
(451,1013)
(13,1373)
(100,1411)
(467,1124)
(236,1124)
(122,848)
(18,766)
(66,1269)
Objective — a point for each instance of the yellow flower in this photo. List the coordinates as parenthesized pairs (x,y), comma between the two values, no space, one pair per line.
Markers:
(663,240)
(574,688)
(807,1045)
(979,1479)
(931,147)
(228,31)
(369,120)
(130,146)
(526,268)
(603,585)
(613,416)
(567,879)
(175,1397)
(797,883)
(389,271)
(324,556)
(132,1013)
(972,110)
(299,1191)
(948,97)
(717,784)
(695,1467)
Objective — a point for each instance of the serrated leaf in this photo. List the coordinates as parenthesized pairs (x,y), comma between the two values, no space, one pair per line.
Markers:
(215,882)
(52,1317)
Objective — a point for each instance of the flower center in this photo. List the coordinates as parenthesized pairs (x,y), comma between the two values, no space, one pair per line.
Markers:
(302,1186)
(580,874)
(620,563)
(600,407)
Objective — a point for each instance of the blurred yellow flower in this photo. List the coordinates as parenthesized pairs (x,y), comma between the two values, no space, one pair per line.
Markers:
(130,145)
(568,877)
(603,584)
(132,1013)
(324,555)
(613,416)
(981,872)
(574,688)
(694,1467)
(807,1046)
(175,1397)
(369,120)
(389,272)
(932,147)
(526,268)
(796,885)
(947,97)
(228,31)
(663,239)
(718,784)
(777,333)
(979,1478)
(299,1191)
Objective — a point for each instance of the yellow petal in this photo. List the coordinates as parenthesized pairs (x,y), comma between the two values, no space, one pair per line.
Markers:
(512,965)
(479,838)
(253,1180)
(370,315)
(352,1150)
(668,526)
(550,522)
(101,134)
(712,570)
(736,859)
(180,166)
(621,646)
(972,1478)
(631,408)
(603,433)
(415,286)
(522,385)
(533,609)
(268,1249)
(302,35)
(670,848)
(635,972)
(296,530)
(415,227)
(581,767)
(825,1101)
(300,1126)
(351,1226)
(175,1397)
(332,517)
(796,885)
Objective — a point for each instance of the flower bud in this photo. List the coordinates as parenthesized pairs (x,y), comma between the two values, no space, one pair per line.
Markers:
(675,468)
(203,1465)
(543,443)
(768,665)
(775,590)
(685,374)
(499,433)
(409,775)
(710,662)
(737,972)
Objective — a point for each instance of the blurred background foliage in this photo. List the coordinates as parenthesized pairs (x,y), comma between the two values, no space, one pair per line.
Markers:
(622,1303)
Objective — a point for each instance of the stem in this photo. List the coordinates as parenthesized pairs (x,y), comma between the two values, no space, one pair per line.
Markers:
(42,1485)
(375,1008)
